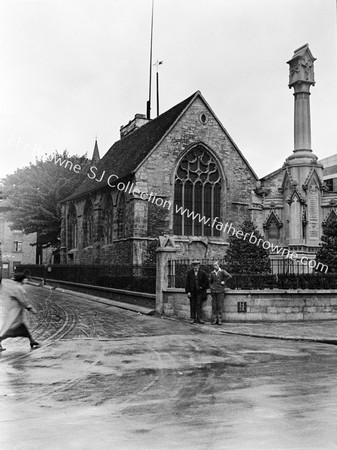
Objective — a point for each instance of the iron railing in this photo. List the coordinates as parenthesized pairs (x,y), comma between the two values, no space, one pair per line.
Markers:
(284,274)
(133,278)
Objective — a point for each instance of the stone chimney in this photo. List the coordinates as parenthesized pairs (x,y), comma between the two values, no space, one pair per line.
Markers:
(137,122)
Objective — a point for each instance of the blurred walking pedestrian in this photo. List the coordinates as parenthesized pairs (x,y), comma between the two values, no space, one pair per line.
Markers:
(218,279)
(15,323)
(196,285)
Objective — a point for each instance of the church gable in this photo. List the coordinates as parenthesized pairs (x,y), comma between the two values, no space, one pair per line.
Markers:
(195,148)
(198,123)
(198,127)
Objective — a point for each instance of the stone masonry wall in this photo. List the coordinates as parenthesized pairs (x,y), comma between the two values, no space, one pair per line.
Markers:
(274,305)
(127,250)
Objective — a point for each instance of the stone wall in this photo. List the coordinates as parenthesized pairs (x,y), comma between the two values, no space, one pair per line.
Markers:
(268,305)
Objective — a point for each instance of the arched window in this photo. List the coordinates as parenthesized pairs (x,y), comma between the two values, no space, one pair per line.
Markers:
(197,189)
(108,221)
(72,228)
(121,215)
(88,223)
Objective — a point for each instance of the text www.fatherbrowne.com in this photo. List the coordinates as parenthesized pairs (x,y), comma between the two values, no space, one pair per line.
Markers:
(228,228)
(252,239)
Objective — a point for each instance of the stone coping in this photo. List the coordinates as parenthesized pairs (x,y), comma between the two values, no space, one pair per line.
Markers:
(99,288)
(264,291)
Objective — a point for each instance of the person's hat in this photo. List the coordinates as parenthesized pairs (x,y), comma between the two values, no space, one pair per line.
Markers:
(195,261)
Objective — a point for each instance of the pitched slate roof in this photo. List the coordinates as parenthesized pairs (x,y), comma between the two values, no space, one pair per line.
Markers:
(125,155)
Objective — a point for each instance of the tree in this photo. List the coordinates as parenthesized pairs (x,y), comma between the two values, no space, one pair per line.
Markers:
(327,254)
(245,257)
(34,193)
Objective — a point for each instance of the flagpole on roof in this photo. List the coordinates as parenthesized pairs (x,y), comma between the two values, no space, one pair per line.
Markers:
(148,105)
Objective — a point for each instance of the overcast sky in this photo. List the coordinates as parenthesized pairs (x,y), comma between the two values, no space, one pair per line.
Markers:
(73,69)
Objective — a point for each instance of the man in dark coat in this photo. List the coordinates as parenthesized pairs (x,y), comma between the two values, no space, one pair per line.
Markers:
(217,280)
(196,285)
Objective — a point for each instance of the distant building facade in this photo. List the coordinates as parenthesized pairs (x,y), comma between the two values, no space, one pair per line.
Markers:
(15,246)
(186,159)
(330,172)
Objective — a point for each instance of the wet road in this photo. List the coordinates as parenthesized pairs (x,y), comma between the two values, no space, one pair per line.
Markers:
(107,378)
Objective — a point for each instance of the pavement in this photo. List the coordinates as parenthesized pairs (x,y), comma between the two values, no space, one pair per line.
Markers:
(320,331)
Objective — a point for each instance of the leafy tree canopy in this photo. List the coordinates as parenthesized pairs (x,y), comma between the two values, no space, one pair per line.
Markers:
(34,193)
(327,254)
(245,257)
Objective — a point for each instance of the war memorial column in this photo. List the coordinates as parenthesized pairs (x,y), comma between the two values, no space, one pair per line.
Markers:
(304,217)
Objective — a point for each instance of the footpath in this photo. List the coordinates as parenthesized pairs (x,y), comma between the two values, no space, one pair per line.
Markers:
(324,331)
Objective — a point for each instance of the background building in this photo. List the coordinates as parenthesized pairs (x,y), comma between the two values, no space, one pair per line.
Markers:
(330,172)
(16,246)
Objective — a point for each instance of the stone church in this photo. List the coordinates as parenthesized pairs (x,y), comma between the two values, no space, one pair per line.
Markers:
(183,157)
(186,159)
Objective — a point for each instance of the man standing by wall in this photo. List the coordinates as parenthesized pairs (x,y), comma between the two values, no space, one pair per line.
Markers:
(196,285)
(218,279)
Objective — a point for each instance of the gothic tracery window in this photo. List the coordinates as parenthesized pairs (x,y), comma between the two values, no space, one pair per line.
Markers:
(88,223)
(121,215)
(198,190)
(72,228)
(108,221)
